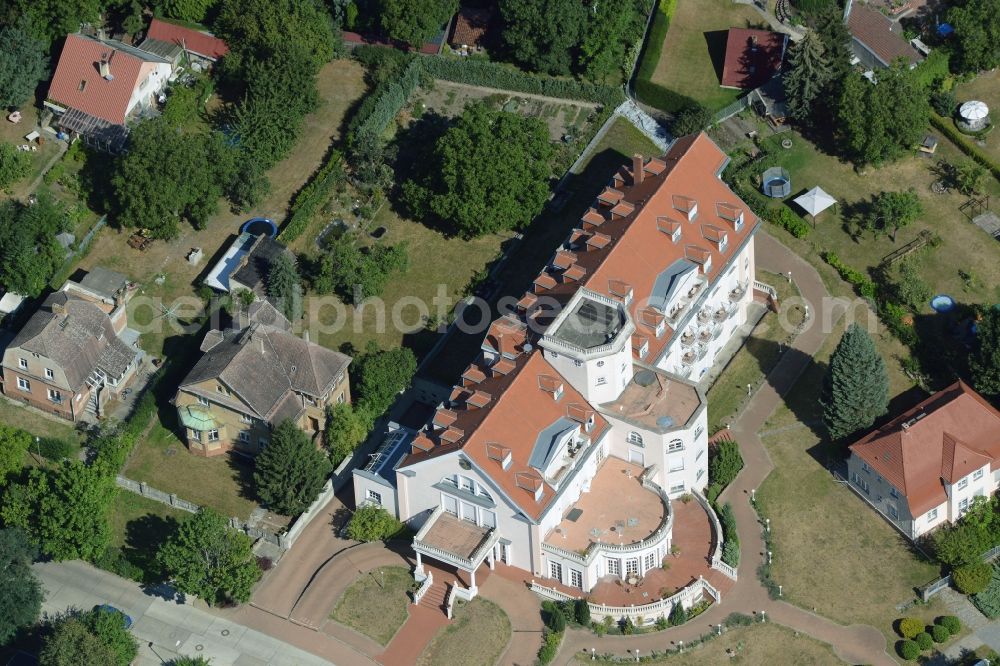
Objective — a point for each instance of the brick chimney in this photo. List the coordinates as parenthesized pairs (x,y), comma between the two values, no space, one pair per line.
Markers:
(637,164)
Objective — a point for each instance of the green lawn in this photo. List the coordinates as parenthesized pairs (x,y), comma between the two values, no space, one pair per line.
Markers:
(15,415)
(478,635)
(985,88)
(139,526)
(224,483)
(613,150)
(821,529)
(757,356)
(695,46)
(756,644)
(377,603)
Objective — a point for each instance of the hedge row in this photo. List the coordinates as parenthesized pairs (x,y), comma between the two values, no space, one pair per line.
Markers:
(651,93)
(374,118)
(731,543)
(788,220)
(494,75)
(860,281)
(966,146)
(550,646)
(312,195)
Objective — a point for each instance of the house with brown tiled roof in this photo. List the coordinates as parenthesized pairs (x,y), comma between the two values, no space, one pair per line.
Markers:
(99,84)
(876,39)
(471,26)
(251,378)
(76,351)
(566,446)
(924,468)
(199,44)
(752,57)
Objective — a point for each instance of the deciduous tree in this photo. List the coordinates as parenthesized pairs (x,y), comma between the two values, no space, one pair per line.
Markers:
(894,210)
(254,28)
(488,173)
(206,558)
(856,386)
(186,10)
(542,35)
(346,427)
(70,643)
(381,374)
(109,628)
(14,164)
(415,21)
(356,273)
(65,511)
(51,20)
(373,523)
(985,361)
(291,471)
(611,29)
(20,592)
(14,444)
(22,64)
(977,35)
(878,123)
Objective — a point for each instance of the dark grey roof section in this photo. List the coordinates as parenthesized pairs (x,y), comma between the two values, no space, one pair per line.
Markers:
(103,282)
(166,50)
(591,323)
(136,51)
(547,442)
(668,281)
(256,265)
(78,336)
(264,365)
(99,132)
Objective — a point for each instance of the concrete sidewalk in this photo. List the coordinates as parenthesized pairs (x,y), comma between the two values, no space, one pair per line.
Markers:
(174,628)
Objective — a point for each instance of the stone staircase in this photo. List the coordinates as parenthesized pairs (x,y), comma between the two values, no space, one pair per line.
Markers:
(436,596)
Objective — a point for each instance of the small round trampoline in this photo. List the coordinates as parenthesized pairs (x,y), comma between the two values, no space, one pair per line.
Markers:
(260,225)
(777,183)
(942,303)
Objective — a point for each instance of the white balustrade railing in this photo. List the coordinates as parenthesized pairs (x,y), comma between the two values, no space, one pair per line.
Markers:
(424,587)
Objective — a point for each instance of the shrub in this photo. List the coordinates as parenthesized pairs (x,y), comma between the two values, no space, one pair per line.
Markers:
(988,601)
(910,627)
(785,218)
(373,523)
(555,620)
(940,634)
(864,286)
(678,615)
(661,623)
(550,646)
(953,624)
(56,449)
(731,543)
(908,650)
(972,578)
(948,128)
(738,620)
(725,463)
(627,626)
(581,611)
(312,195)
(924,640)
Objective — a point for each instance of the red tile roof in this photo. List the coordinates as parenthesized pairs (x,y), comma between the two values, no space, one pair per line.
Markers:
(880,35)
(941,440)
(78,84)
(752,57)
(201,43)
(471,26)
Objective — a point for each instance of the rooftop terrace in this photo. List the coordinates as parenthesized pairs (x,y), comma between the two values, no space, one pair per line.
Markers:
(654,401)
(617,509)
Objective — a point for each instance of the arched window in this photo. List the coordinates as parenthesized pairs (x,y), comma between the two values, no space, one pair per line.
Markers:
(635,438)
(675,445)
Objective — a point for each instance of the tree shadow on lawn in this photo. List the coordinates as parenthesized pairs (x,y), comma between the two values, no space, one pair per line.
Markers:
(243,468)
(143,538)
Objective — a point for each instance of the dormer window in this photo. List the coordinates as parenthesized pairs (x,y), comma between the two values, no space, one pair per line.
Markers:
(686,205)
(732,213)
(83,85)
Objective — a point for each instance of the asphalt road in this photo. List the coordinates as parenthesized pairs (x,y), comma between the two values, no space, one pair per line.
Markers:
(174,628)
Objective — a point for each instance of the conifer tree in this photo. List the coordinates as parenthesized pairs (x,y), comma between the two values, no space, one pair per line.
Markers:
(856,387)
(291,471)
(808,73)
(285,287)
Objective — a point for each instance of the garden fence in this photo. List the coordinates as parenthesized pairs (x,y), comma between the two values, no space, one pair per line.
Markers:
(731,110)
(929,590)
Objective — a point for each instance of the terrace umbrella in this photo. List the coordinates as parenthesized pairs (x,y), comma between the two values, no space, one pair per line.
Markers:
(815,201)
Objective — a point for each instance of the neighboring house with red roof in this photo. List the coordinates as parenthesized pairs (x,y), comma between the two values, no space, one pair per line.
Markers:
(877,40)
(923,469)
(199,43)
(99,84)
(579,409)
(471,26)
(753,57)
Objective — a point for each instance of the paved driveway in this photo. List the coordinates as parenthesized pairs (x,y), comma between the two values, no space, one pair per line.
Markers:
(171,627)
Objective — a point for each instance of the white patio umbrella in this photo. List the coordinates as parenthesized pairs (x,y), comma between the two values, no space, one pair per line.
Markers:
(815,201)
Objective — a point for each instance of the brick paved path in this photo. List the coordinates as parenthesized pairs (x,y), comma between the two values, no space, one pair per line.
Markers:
(854,644)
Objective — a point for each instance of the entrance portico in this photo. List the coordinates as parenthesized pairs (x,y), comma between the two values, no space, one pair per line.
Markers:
(456,542)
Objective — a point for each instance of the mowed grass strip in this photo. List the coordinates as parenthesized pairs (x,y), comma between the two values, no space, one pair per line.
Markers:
(756,644)
(224,483)
(478,635)
(821,530)
(695,48)
(376,603)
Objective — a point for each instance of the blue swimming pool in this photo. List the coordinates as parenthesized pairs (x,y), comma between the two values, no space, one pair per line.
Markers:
(260,225)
